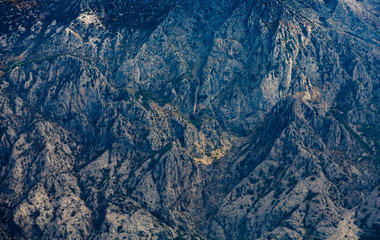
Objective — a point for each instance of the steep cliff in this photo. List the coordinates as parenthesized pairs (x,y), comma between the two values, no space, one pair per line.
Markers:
(228,119)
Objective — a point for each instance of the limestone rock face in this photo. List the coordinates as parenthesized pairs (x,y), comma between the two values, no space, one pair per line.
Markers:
(216,119)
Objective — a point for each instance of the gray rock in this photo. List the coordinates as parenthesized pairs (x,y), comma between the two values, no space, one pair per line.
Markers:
(208,119)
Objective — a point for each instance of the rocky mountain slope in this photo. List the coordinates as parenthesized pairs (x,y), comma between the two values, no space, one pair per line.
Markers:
(189,119)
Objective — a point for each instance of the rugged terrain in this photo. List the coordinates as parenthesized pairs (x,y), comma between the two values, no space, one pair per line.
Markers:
(189,119)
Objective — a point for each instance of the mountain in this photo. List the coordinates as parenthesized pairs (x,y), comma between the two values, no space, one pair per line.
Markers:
(189,119)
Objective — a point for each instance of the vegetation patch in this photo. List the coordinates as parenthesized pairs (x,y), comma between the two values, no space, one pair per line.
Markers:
(37,60)
(310,195)
(197,121)
(342,119)
(147,95)
(372,133)
(349,89)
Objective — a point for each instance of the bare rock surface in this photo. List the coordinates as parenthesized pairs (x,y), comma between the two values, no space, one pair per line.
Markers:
(232,119)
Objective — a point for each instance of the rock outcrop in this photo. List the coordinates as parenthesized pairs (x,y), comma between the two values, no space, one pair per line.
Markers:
(232,119)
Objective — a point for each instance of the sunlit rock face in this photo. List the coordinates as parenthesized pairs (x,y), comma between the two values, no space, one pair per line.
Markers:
(228,119)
